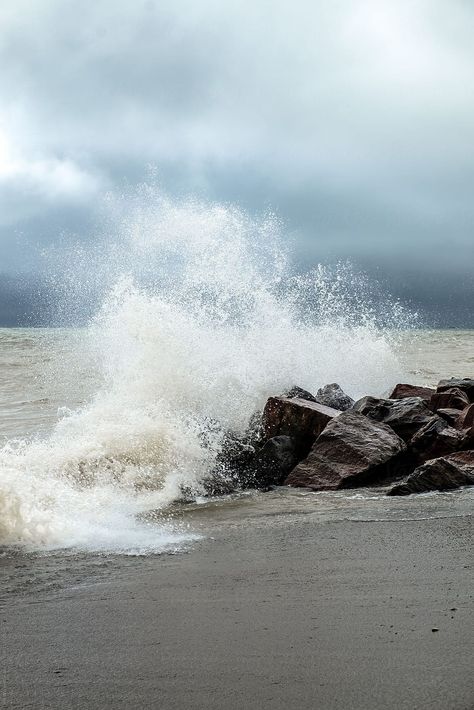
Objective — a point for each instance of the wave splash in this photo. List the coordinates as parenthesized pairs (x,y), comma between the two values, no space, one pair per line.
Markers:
(202,318)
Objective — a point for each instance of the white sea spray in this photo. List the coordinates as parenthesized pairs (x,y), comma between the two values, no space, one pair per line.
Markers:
(201,319)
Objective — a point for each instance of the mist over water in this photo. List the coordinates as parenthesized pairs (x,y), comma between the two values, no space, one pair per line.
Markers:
(201,318)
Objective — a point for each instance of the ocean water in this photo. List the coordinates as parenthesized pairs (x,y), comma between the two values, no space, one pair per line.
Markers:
(47,374)
(199,319)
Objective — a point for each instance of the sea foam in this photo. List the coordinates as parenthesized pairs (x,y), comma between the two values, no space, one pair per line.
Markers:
(201,317)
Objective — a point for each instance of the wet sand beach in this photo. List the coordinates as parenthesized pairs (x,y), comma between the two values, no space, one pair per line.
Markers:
(285,602)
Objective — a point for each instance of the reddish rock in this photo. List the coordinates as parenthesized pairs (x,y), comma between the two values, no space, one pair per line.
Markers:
(436,438)
(299,418)
(466,385)
(451,416)
(466,419)
(441,474)
(461,420)
(402,390)
(405,416)
(351,451)
(449,399)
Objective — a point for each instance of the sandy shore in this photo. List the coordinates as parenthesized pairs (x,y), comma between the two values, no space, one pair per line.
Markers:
(281,609)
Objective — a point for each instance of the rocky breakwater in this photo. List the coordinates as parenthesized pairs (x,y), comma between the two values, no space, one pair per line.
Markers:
(418,439)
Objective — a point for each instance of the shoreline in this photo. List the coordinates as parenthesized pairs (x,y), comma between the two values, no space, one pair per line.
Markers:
(278,606)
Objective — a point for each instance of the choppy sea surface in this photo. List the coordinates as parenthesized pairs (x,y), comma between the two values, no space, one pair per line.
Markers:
(92,458)
(47,373)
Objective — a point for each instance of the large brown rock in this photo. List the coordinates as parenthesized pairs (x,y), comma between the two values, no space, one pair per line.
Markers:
(401,391)
(436,438)
(405,416)
(441,474)
(301,419)
(465,384)
(453,398)
(351,451)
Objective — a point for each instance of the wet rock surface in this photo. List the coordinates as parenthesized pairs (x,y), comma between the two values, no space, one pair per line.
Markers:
(465,420)
(334,396)
(436,438)
(301,442)
(440,474)
(465,384)
(405,416)
(275,460)
(301,419)
(299,393)
(453,398)
(352,450)
(401,391)
(450,415)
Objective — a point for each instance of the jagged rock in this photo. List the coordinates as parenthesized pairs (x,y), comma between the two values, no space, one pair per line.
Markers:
(299,393)
(450,415)
(275,460)
(453,398)
(334,396)
(401,391)
(351,451)
(465,384)
(466,419)
(435,439)
(441,474)
(301,419)
(405,416)
(462,420)
(241,466)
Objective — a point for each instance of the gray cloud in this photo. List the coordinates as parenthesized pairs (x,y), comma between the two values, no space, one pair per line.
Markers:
(352,120)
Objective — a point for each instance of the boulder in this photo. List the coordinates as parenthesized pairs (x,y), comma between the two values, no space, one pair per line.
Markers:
(466,385)
(241,464)
(299,393)
(436,438)
(351,451)
(235,465)
(453,398)
(401,391)
(441,474)
(301,419)
(405,416)
(334,396)
(274,461)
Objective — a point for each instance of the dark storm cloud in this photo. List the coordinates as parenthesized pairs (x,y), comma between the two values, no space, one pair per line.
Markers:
(352,120)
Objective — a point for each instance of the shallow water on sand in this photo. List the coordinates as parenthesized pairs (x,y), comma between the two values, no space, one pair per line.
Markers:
(38,573)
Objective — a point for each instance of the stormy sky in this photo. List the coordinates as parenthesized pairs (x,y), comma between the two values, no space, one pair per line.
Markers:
(354,121)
